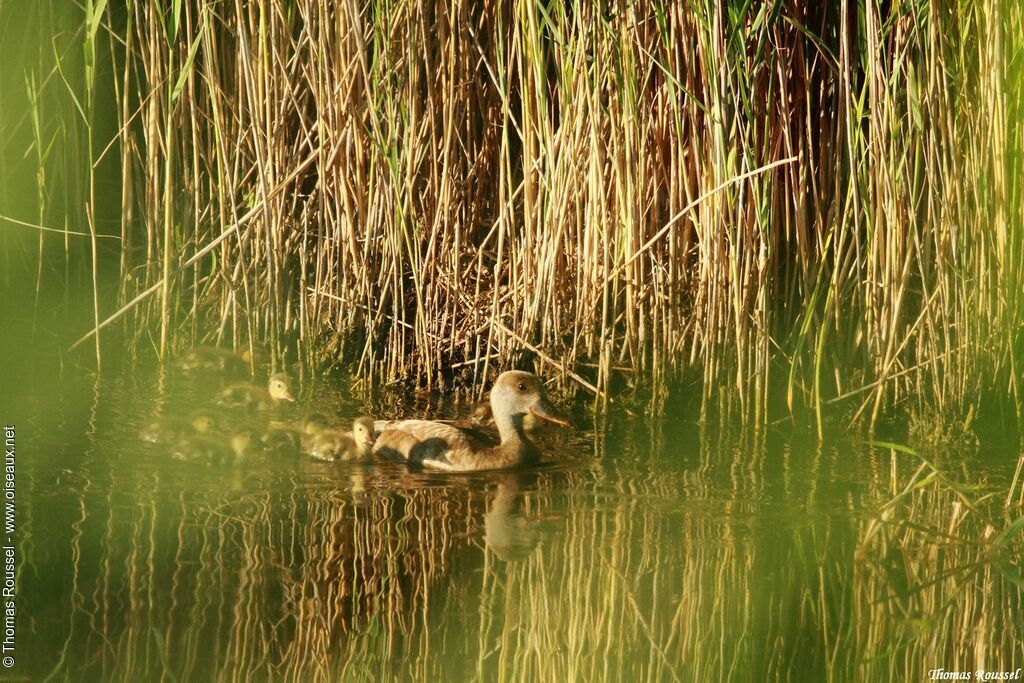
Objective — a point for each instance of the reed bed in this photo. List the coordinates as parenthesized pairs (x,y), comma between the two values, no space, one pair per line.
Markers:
(825,201)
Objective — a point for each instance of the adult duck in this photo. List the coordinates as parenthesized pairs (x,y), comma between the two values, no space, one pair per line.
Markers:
(460,447)
(482,416)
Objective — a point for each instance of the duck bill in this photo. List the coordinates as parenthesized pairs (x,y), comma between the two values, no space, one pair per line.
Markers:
(287,396)
(542,410)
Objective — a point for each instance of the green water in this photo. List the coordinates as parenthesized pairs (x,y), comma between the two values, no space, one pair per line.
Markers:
(643,549)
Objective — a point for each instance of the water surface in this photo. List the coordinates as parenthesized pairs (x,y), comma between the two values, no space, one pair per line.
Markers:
(643,549)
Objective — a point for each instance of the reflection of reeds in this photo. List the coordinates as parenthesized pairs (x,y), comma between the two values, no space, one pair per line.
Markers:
(413,186)
(938,583)
(734,566)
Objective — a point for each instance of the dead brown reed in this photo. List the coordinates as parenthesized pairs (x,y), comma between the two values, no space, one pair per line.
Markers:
(414,188)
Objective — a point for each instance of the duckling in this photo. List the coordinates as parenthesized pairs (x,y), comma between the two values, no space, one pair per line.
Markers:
(239,446)
(214,359)
(282,436)
(164,430)
(280,439)
(250,396)
(331,445)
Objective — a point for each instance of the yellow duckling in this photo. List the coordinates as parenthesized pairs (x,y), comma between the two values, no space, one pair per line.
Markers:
(331,445)
(459,447)
(243,395)
(239,446)
(167,429)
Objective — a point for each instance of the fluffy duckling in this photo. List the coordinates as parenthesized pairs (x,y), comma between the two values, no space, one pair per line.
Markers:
(243,395)
(238,447)
(214,359)
(291,436)
(167,429)
(331,445)
(279,439)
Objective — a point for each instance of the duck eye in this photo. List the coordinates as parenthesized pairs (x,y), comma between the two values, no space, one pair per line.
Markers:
(522,387)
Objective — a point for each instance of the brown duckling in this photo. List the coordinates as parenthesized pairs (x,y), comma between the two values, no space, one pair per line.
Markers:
(331,445)
(167,429)
(291,436)
(243,395)
(279,439)
(214,359)
(236,448)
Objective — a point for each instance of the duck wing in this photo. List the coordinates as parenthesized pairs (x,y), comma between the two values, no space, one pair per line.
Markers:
(460,433)
(432,443)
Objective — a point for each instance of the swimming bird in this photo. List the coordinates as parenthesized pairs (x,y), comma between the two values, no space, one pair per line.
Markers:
(166,429)
(459,446)
(237,448)
(214,359)
(282,436)
(243,395)
(332,444)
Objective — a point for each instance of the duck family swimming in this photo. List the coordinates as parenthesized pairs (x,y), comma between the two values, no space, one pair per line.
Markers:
(516,406)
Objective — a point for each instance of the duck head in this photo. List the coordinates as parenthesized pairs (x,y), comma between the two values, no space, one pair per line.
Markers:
(517,394)
(362,432)
(279,388)
(203,423)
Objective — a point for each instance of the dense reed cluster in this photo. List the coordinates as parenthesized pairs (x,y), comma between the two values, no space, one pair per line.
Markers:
(820,198)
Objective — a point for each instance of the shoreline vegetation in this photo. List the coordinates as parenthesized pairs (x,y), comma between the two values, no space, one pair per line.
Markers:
(771,200)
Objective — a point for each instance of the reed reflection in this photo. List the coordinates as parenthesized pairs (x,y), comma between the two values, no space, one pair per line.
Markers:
(663,551)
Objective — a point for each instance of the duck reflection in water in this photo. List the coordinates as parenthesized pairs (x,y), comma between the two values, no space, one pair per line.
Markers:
(507,533)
